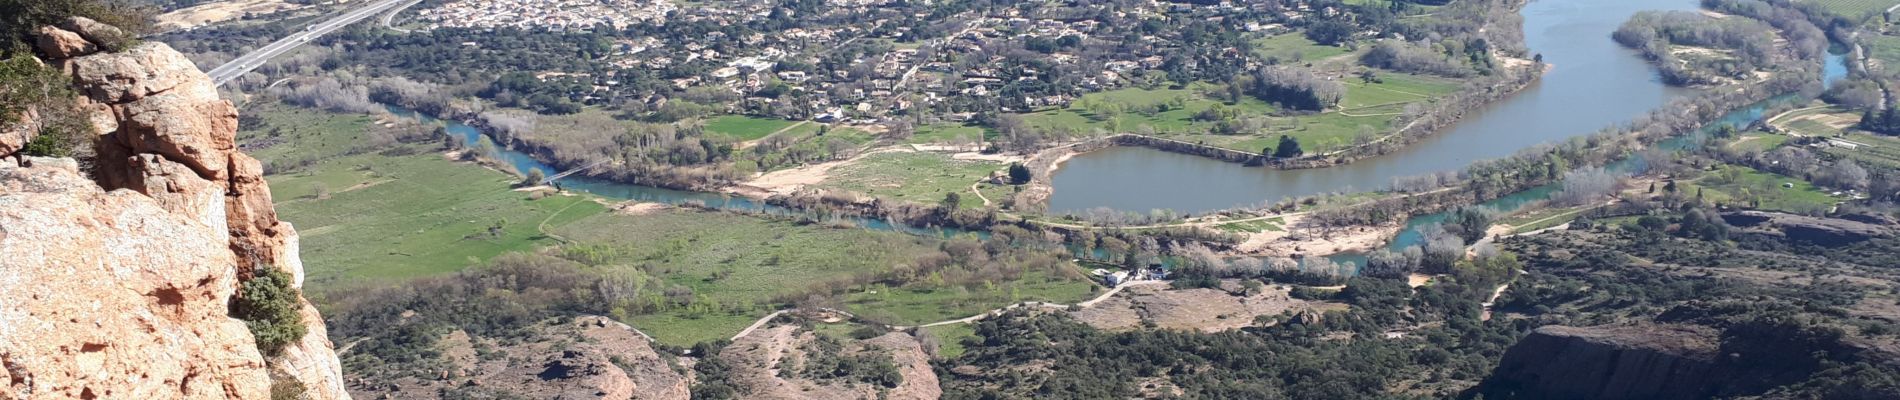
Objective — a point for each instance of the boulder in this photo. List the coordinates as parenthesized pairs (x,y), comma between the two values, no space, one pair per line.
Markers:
(144,70)
(61,43)
(93,31)
(111,295)
(15,136)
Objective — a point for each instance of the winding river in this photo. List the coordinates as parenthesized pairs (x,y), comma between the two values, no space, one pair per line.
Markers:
(1594,84)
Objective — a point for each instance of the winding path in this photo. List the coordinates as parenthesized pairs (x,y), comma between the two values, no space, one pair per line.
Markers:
(978,317)
(759,324)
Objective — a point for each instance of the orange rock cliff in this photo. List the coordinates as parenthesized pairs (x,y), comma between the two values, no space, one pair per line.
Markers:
(119,283)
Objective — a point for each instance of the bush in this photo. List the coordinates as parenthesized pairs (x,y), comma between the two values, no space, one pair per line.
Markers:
(269,307)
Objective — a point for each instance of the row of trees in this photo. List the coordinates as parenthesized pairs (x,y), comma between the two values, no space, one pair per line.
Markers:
(1296,88)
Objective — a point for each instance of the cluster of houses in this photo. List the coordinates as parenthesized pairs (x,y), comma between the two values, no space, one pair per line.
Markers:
(550,14)
(912,74)
(1118,277)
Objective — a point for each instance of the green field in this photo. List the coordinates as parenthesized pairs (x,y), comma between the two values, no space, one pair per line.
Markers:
(911,176)
(1884,48)
(1758,141)
(1393,88)
(742,128)
(1292,47)
(915,305)
(393,216)
(684,330)
(950,339)
(1854,9)
(1875,152)
(1265,225)
(733,259)
(1541,218)
(1368,109)
(1123,110)
(1744,186)
(948,133)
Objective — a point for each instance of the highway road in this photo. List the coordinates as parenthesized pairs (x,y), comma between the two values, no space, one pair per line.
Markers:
(244,64)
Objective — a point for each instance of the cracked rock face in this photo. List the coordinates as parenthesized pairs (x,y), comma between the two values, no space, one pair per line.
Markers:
(118,285)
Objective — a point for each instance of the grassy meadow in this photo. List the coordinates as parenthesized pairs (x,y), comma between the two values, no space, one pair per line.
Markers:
(402,211)
(918,177)
(1759,189)
(376,212)
(1369,109)
(742,128)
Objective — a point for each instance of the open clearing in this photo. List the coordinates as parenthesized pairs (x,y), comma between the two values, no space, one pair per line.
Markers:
(919,305)
(219,11)
(1767,191)
(407,214)
(919,177)
(742,128)
(1854,9)
(1368,110)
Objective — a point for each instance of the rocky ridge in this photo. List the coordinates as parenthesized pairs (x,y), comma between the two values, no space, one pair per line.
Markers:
(117,283)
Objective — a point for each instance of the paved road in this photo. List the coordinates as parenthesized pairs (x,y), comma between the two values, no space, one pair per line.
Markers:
(244,64)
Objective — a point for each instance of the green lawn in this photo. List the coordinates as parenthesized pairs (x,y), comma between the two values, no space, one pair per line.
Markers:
(1758,141)
(742,128)
(1132,109)
(950,339)
(683,330)
(1295,47)
(392,216)
(1854,9)
(1394,88)
(948,133)
(1541,218)
(917,305)
(1265,225)
(1368,109)
(914,177)
(1876,152)
(1744,186)
(735,259)
(1884,48)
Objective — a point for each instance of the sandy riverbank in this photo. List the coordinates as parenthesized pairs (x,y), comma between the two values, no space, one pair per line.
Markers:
(789,180)
(1312,243)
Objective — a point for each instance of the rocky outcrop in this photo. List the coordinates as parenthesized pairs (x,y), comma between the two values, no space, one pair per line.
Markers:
(119,286)
(586,357)
(767,364)
(1630,362)
(1822,231)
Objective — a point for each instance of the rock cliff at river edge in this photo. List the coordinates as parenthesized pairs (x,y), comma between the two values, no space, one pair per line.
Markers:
(118,283)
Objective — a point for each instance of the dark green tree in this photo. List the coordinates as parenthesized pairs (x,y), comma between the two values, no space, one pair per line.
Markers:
(1289,148)
(1018,174)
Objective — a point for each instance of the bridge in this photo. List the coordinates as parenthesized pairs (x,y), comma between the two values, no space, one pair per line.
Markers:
(571,172)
